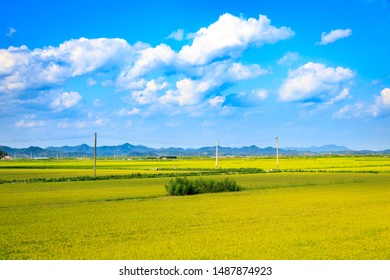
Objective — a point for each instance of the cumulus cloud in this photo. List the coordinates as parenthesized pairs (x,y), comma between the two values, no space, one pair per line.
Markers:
(193,91)
(13,59)
(87,55)
(148,60)
(382,103)
(205,65)
(379,108)
(188,92)
(229,37)
(238,71)
(66,100)
(334,35)
(151,74)
(23,69)
(149,94)
(315,82)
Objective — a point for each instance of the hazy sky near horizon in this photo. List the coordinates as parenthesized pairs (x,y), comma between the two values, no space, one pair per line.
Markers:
(184,73)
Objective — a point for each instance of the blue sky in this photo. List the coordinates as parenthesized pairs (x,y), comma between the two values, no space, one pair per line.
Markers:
(184,73)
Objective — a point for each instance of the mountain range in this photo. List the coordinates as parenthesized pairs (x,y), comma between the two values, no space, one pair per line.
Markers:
(131,150)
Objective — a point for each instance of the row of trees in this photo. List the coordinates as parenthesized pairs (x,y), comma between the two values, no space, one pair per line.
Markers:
(3,154)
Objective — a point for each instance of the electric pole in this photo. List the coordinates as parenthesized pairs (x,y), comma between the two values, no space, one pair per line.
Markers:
(277,152)
(94,156)
(216,154)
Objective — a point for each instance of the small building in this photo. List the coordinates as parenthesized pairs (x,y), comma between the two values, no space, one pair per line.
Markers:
(168,157)
(7,158)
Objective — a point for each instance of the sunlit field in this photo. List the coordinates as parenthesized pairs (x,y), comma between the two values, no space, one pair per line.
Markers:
(315,208)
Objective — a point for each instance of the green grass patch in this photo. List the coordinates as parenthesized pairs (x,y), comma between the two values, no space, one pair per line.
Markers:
(184,186)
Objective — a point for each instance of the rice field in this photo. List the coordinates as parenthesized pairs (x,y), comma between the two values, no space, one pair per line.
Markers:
(317,208)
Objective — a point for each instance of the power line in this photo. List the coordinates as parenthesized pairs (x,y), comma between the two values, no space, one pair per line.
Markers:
(43,139)
(257,142)
(153,142)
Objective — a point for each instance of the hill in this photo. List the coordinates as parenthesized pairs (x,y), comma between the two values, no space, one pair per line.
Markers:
(138,150)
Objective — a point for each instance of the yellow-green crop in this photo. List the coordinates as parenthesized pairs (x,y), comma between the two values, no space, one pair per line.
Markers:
(288,215)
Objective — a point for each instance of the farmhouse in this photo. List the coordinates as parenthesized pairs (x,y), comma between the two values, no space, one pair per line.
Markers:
(7,158)
(168,157)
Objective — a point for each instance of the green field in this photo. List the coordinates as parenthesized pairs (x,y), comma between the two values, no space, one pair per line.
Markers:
(316,208)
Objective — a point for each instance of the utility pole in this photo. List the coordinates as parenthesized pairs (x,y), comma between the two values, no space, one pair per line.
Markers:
(94,156)
(277,152)
(216,154)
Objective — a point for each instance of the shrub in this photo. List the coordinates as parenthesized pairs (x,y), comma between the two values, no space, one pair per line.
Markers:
(184,186)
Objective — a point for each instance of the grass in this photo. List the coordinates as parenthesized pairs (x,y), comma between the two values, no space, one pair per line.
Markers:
(288,215)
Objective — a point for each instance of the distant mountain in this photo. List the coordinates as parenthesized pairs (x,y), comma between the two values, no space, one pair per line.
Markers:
(321,149)
(131,150)
(81,149)
(27,152)
(126,150)
(85,150)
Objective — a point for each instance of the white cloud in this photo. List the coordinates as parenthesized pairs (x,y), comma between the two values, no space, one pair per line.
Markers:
(351,111)
(177,35)
(11,32)
(238,71)
(229,37)
(107,83)
(376,82)
(193,91)
(66,100)
(99,122)
(29,124)
(379,108)
(188,92)
(148,60)
(22,69)
(344,94)
(216,101)
(77,124)
(382,103)
(29,121)
(154,75)
(87,55)
(12,58)
(246,99)
(315,82)
(97,103)
(334,35)
(91,82)
(288,58)
(66,124)
(149,94)
(132,112)
(260,94)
